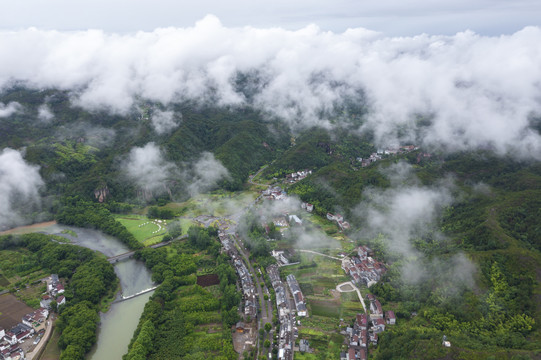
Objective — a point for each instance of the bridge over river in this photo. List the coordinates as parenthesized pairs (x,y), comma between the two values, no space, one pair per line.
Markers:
(124,298)
(129,254)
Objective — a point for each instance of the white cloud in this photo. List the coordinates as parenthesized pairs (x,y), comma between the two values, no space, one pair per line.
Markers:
(9,109)
(19,186)
(147,167)
(473,91)
(206,173)
(164,121)
(45,114)
(408,212)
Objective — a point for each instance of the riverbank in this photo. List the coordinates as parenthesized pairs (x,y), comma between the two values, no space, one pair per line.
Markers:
(28,228)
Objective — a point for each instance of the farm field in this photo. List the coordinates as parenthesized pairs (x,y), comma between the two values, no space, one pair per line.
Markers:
(217,204)
(11,311)
(317,275)
(26,277)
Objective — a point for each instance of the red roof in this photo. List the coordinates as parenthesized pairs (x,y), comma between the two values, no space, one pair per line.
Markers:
(362,319)
(391,315)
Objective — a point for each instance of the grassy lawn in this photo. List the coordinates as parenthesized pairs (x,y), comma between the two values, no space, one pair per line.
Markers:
(142,228)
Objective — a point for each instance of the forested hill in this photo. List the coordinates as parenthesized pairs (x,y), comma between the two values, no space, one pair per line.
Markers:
(81,151)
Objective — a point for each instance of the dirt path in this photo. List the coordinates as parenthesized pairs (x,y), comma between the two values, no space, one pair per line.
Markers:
(351,288)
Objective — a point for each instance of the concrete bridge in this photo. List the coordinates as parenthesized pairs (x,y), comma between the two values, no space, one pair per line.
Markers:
(129,254)
(124,298)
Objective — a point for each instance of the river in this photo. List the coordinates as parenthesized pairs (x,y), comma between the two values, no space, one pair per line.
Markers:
(118,324)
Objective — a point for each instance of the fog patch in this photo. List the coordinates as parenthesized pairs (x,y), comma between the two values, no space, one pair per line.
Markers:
(9,109)
(19,188)
(407,213)
(147,167)
(164,122)
(45,115)
(205,173)
(89,134)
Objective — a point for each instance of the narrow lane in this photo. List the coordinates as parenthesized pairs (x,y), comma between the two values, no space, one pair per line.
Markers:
(318,253)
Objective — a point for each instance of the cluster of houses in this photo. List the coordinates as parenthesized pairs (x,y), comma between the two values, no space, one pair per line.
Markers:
(285,316)
(362,268)
(389,151)
(274,193)
(286,219)
(247,283)
(365,330)
(281,257)
(297,176)
(10,340)
(295,289)
(307,206)
(55,289)
(343,225)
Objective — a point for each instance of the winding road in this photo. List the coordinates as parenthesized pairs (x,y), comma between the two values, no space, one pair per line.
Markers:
(251,179)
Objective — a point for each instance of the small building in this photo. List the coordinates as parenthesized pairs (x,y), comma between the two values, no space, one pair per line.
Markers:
(240,327)
(378,325)
(361,321)
(294,220)
(45,301)
(390,317)
(304,346)
(374,338)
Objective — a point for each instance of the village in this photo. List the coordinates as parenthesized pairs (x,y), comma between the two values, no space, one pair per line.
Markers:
(23,340)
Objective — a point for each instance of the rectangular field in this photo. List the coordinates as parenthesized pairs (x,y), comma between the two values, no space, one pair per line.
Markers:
(12,311)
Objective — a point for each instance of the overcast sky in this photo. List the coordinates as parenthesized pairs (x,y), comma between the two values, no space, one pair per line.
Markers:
(391,17)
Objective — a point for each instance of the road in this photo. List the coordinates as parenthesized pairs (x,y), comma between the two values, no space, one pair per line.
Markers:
(318,253)
(251,179)
(42,343)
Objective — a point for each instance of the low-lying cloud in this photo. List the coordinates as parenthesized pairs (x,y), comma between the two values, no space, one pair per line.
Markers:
(147,167)
(164,122)
(45,114)
(9,109)
(205,174)
(453,92)
(19,187)
(408,212)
